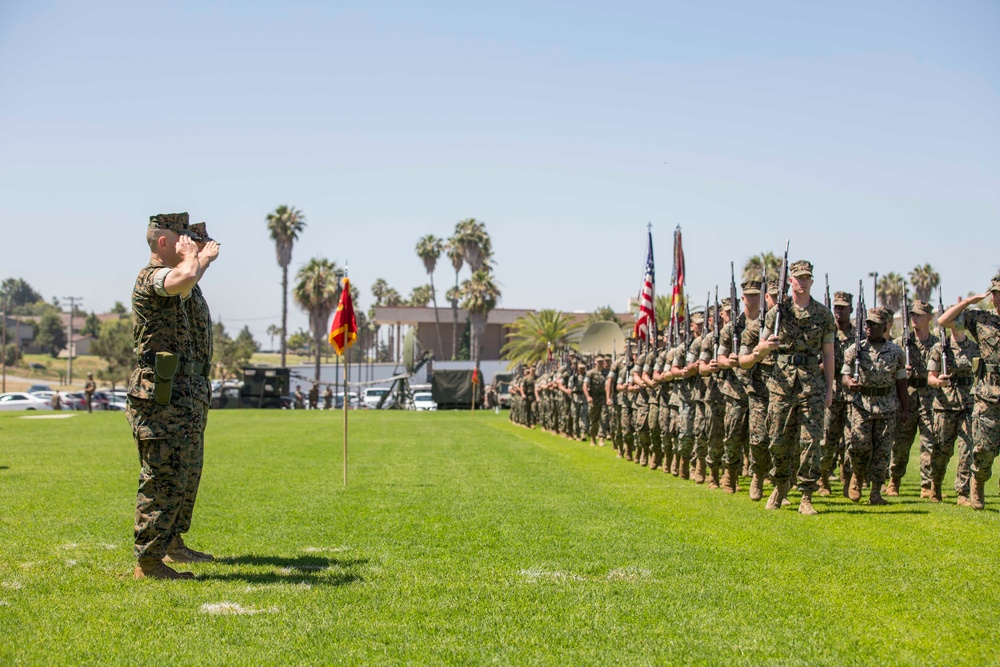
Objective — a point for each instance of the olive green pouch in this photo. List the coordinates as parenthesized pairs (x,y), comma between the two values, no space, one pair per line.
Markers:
(164,369)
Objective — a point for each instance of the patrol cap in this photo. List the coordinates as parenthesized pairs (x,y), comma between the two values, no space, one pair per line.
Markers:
(772,288)
(199,232)
(750,286)
(697,318)
(843,299)
(994,285)
(726,304)
(921,308)
(175,222)
(877,316)
(801,269)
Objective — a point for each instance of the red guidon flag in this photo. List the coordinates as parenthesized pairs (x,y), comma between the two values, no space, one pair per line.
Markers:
(344,330)
(475,376)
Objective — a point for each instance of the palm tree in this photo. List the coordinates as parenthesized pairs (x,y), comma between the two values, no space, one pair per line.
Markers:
(472,238)
(602,314)
(924,280)
(285,224)
(454,252)
(481,295)
(317,292)
(530,336)
(421,295)
(429,249)
(772,262)
(890,291)
(272,331)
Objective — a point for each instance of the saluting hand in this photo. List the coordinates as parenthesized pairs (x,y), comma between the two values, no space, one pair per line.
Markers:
(185,247)
(210,251)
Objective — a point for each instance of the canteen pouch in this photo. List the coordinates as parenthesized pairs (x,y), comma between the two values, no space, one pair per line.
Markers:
(164,368)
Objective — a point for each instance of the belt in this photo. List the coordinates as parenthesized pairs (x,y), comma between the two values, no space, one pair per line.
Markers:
(798,359)
(917,383)
(963,381)
(147,358)
(876,392)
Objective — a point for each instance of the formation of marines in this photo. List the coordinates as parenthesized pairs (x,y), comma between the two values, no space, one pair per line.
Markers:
(782,389)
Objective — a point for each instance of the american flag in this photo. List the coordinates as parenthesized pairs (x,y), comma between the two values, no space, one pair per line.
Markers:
(645,322)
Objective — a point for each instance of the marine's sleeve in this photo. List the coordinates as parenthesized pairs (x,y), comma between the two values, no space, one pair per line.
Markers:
(159,278)
(971,320)
(901,364)
(772,313)
(707,345)
(726,336)
(829,328)
(849,355)
(934,360)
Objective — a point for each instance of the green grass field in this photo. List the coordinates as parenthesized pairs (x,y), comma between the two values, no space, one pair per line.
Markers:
(465,540)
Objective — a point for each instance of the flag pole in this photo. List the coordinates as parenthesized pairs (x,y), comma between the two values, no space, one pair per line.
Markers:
(347,375)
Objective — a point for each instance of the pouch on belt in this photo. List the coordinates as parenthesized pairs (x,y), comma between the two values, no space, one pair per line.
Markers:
(164,369)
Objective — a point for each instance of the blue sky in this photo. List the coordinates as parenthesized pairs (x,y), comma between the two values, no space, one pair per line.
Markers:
(867,133)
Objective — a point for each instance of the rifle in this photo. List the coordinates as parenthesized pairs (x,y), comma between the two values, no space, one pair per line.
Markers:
(782,286)
(826,297)
(762,310)
(859,326)
(944,334)
(687,325)
(732,308)
(715,323)
(906,325)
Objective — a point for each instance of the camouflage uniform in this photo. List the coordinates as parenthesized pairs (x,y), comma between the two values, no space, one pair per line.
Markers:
(874,407)
(641,402)
(685,398)
(984,327)
(921,409)
(202,349)
(626,402)
(666,413)
(755,384)
(953,412)
(737,406)
(835,417)
(615,409)
(162,432)
(714,402)
(595,387)
(528,399)
(797,388)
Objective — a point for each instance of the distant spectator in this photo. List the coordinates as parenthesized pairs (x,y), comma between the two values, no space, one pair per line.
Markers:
(56,401)
(328,398)
(314,397)
(300,398)
(88,391)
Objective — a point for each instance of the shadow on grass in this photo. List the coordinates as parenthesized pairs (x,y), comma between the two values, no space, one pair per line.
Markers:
(313,570)
(4,467)
(871,511)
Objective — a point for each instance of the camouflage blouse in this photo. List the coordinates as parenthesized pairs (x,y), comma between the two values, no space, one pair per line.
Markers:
(959,355)
(984,327)
(803,333)
(201,341)
(733,381)
(881,365)
(755,380)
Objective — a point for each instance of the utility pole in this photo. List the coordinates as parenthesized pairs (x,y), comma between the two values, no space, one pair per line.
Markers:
(69,335)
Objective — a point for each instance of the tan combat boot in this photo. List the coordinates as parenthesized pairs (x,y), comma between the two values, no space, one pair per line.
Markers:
(893,489)
(776,500)
(713,479)
(854,491)
(926,493)
(756,488)
(685,468)
(846,477)
(699,471)
(806,504)
(935,491)
(963,501)
(178,552)
(824,484)
(727,481)
(153,568)
(976,498)
(675,466)
(734,480)
(668,463)
(875,497)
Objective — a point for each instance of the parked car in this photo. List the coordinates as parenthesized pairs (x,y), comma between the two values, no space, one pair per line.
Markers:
(67,402)
(22,400)
(108,400)
(99,402)
(338,400)
(373,395)
(423,400)
(39,387)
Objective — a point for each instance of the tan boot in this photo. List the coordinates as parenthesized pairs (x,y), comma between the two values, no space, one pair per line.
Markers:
(935,491)
(775,501)
(153,568)
(854,491)
(699,471)
(806,504)
(713,477)
(756,488)
(847,477)
(729,481)
(178,552)
(926,493)
(875,497)
(893,488)
(685,468)
(976,496)
(824,484)
(675,466)
(963,501)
